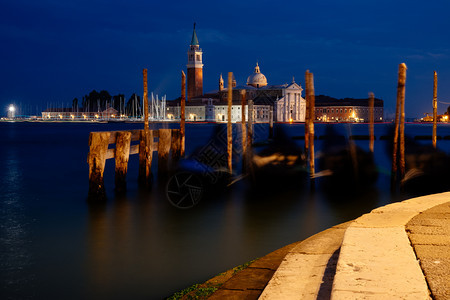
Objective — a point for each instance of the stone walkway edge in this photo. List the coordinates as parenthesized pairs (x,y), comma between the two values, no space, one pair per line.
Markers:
(375,259)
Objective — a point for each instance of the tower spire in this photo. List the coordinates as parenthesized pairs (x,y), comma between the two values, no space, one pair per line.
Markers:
(194,41)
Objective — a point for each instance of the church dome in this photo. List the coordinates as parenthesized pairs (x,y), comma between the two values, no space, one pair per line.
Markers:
(257,79)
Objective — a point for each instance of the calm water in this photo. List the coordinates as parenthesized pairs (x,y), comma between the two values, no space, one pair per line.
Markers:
(54,244)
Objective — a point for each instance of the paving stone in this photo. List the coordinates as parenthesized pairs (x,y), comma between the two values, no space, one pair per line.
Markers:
(429,239)
(236,294)
(437,273)
(439,208)
(325,242)
(250,278)
(427,221)
(439,214)
(378,263)
(384,219)
(298,277)
(417,229)
(429,233)
(273,260)
(308,270)
(432,251)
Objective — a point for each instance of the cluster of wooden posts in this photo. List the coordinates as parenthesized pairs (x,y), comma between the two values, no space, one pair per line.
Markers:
(247,126)
(162,141)
(173,140)
(167,143)
(398,155)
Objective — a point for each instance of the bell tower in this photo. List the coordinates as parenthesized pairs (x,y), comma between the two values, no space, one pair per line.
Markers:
(220,82)
(194,69)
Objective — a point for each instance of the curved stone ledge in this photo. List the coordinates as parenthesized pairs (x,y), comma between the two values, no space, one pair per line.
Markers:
(374,256)
(377,260)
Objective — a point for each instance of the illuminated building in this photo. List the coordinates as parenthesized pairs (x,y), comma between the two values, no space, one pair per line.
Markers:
(328,109)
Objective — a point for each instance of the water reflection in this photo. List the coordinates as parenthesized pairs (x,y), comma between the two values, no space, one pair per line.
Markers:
(15,255)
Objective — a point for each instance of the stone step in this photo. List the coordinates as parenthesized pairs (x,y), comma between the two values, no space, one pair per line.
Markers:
(307,271)
(368,258)
(377,260)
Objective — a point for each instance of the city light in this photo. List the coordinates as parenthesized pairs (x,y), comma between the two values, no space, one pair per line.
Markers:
(11,112)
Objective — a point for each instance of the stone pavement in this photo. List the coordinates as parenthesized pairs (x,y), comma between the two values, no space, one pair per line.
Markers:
(429,233)
(399,251)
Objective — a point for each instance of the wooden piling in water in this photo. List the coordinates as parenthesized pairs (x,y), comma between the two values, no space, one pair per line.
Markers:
(169,142)
(400,98)
(229,128)
(164,143)
(183,116)
(249,130)
(122,154)
(176,145)
(98,147)
(307,113)
(271,123)
(145,100)
(402,128)
(243,125)
(145,157)
(312,115)
(371,120)
(435,110)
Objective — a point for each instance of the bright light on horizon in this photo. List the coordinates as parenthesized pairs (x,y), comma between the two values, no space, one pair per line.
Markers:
(11,108)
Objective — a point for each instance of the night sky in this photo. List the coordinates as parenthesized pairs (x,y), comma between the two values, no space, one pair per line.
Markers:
(52,51)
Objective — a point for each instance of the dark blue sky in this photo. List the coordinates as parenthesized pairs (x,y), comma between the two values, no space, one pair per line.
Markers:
(52,51)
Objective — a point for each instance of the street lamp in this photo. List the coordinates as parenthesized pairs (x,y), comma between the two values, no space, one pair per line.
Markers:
(11,112)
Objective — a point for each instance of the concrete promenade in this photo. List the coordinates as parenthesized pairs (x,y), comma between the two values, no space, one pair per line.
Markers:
(398,251)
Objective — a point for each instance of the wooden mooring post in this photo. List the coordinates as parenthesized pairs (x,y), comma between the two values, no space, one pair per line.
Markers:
(249,132)
(307,114)
(169,140)
(122,153)
(312,116)
(164,144)
(145,157)
(98,145)
(145,143)
(435,110)
(183,114)
(371,120)
(229,128)
(271,123)
(402,127)
(399,112)
(145,100)
(243,130)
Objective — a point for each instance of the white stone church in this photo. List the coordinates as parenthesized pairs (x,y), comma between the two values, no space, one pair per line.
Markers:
(284,101)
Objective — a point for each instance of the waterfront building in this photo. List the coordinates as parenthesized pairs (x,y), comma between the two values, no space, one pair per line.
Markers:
(285,100)
(70,113)
(328,109)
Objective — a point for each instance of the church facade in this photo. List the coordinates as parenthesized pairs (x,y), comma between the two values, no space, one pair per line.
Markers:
(284,101)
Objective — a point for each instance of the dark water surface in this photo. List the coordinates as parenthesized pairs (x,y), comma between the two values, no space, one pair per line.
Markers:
(56,245)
